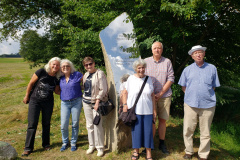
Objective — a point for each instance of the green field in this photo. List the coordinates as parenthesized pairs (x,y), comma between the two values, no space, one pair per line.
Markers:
(14,77)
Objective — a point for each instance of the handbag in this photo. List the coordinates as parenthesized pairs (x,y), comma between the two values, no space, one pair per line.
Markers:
(96,119)
(105,107)
(129,118)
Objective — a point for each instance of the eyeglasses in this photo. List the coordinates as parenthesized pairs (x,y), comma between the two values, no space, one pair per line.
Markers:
(67,66)
(89,64)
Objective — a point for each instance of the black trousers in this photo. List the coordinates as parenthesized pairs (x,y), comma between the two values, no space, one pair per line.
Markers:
(34,110)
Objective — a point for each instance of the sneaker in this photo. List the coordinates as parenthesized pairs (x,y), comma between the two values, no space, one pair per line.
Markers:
(90,150)
(64,147)
(100,153)
(163,148)
(73,148)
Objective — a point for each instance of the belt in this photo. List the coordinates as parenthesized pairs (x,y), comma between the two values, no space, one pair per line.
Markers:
(71,100)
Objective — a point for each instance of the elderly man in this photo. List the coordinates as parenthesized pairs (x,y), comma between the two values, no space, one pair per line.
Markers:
(198,82)
(161,69)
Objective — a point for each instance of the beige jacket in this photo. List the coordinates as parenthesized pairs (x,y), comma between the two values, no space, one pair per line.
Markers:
(99,86)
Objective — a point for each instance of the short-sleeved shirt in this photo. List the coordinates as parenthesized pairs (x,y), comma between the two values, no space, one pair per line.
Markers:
(72,88)
(144,105)
(162,71)
(45,86)
(199,83)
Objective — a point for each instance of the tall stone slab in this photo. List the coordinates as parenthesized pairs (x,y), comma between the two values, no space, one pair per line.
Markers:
(117,63)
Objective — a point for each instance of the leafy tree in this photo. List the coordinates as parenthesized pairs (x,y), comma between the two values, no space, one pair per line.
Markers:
(22,14)
(33,47)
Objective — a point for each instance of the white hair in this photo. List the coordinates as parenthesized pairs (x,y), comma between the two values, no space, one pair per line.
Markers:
(70,64)
(48,69)
(139,62)
(157,42)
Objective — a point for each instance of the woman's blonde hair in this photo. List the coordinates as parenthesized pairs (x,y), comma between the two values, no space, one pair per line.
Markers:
(48,69)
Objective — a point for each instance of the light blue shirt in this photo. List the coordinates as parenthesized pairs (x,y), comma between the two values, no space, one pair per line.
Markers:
(199,83)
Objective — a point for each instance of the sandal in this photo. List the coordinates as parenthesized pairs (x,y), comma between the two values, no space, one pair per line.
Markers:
(135,157)
(26,153)
(149,158)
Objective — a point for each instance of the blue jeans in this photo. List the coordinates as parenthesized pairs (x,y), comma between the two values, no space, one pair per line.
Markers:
(70,107)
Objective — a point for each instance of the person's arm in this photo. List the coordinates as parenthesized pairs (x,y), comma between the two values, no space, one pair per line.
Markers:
(103,88)
(124,99)
(183,88)
(57,89)
(154,108)
(164,90)
(29,88)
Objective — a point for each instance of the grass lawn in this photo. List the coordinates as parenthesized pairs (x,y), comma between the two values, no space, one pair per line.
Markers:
(14,77)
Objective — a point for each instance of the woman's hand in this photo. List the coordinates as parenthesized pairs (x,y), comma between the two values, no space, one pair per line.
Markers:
(96,104)
(125,108)
(25,99)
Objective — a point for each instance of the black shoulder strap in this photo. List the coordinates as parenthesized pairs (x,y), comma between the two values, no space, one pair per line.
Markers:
(139,94)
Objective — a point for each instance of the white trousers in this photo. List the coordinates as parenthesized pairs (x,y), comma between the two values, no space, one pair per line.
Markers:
(191,117)
(95,132)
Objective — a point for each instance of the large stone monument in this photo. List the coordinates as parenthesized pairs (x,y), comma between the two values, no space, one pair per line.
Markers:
(114,44)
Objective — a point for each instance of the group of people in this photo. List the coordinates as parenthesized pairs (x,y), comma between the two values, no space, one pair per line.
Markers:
(198,82)
(61,77)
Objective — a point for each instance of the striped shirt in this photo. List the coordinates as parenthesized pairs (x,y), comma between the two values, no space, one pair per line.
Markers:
(162,71)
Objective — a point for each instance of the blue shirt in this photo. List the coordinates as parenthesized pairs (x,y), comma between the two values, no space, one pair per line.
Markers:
(72,89)
(199,83)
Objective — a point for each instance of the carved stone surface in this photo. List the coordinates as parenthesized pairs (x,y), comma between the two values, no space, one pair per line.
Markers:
(7,151)
(117,63)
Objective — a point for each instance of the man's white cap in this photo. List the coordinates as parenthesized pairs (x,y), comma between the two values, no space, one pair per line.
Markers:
(196,48)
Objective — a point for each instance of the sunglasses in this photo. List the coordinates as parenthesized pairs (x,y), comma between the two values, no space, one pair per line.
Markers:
(89,64)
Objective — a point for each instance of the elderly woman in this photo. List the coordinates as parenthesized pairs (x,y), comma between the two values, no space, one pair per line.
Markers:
(42,84)
(71,102)
(95,90)
(142,135)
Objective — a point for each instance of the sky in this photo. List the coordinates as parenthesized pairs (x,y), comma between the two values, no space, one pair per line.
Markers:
(112,38)
(13,46)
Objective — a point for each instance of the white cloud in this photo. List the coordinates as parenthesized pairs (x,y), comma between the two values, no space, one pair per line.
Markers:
(10,46)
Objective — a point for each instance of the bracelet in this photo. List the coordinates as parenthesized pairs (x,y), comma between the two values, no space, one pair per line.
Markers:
(125,104)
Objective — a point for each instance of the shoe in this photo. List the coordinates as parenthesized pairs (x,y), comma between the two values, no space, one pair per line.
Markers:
(90,150)
(163,148)
(26,153)
(47,148)
(201,158)
(64,147)
(73,148)
(135,157)
(100,153)
(187,156)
